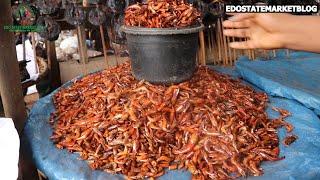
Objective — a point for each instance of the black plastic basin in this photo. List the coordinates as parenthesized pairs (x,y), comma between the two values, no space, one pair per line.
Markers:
(163,55)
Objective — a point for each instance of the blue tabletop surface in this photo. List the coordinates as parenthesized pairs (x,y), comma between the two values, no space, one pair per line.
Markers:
(302,160)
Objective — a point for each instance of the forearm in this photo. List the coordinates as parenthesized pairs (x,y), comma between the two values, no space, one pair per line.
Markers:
(302,33)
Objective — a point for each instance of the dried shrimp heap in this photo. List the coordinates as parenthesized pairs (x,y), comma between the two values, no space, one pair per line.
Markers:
(162,14)
(213,125)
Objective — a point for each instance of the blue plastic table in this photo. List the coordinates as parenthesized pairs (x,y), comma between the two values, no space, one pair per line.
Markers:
(302,160)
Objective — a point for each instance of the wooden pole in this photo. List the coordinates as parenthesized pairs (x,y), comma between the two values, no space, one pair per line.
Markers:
(103,43)
(82,44)
(209,43)
(213,44)
(10,86)
(82,39)
(202,49)
(234,52)
(218,41)
(225,46)
(221,38)
(230,55)
(33,40)
(53,65)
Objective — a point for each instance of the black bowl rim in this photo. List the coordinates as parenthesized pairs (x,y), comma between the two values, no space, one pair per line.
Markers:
(161,31)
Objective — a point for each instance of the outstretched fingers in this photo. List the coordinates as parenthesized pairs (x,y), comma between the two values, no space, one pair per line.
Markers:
(237,32)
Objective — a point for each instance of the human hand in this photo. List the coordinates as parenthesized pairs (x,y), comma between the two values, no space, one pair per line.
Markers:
(264,31)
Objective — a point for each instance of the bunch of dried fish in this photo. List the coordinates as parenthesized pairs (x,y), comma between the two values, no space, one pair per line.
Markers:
(162,14)
(212,125)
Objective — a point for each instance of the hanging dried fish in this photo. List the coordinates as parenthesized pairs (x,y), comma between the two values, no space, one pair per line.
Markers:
(97,17)
(49,29)
(48,7)
(75,15)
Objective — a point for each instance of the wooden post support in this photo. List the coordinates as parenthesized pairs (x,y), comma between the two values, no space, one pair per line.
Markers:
(202,49)
(104,45)
(53,65)
(82,44)
(33,39)
(10,87)
(83,51)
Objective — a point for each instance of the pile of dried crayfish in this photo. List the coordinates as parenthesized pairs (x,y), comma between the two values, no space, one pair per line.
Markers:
(212,125)
(162,14)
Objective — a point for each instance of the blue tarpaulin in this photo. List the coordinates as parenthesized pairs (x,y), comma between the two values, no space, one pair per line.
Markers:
(297,77)
(302,160)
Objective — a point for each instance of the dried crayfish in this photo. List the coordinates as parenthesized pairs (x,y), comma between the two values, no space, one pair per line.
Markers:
(162,14)
(212,125)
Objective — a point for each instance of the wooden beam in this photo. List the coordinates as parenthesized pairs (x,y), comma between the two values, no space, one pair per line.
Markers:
(202,48)
(83,51)
(82,44)
(10,87)
(33,39)
(53,65)
(104,45)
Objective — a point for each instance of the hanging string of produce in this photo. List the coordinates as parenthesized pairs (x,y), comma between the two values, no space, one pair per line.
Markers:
(75,15)
(50,29)
(96,16)
(48,7)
